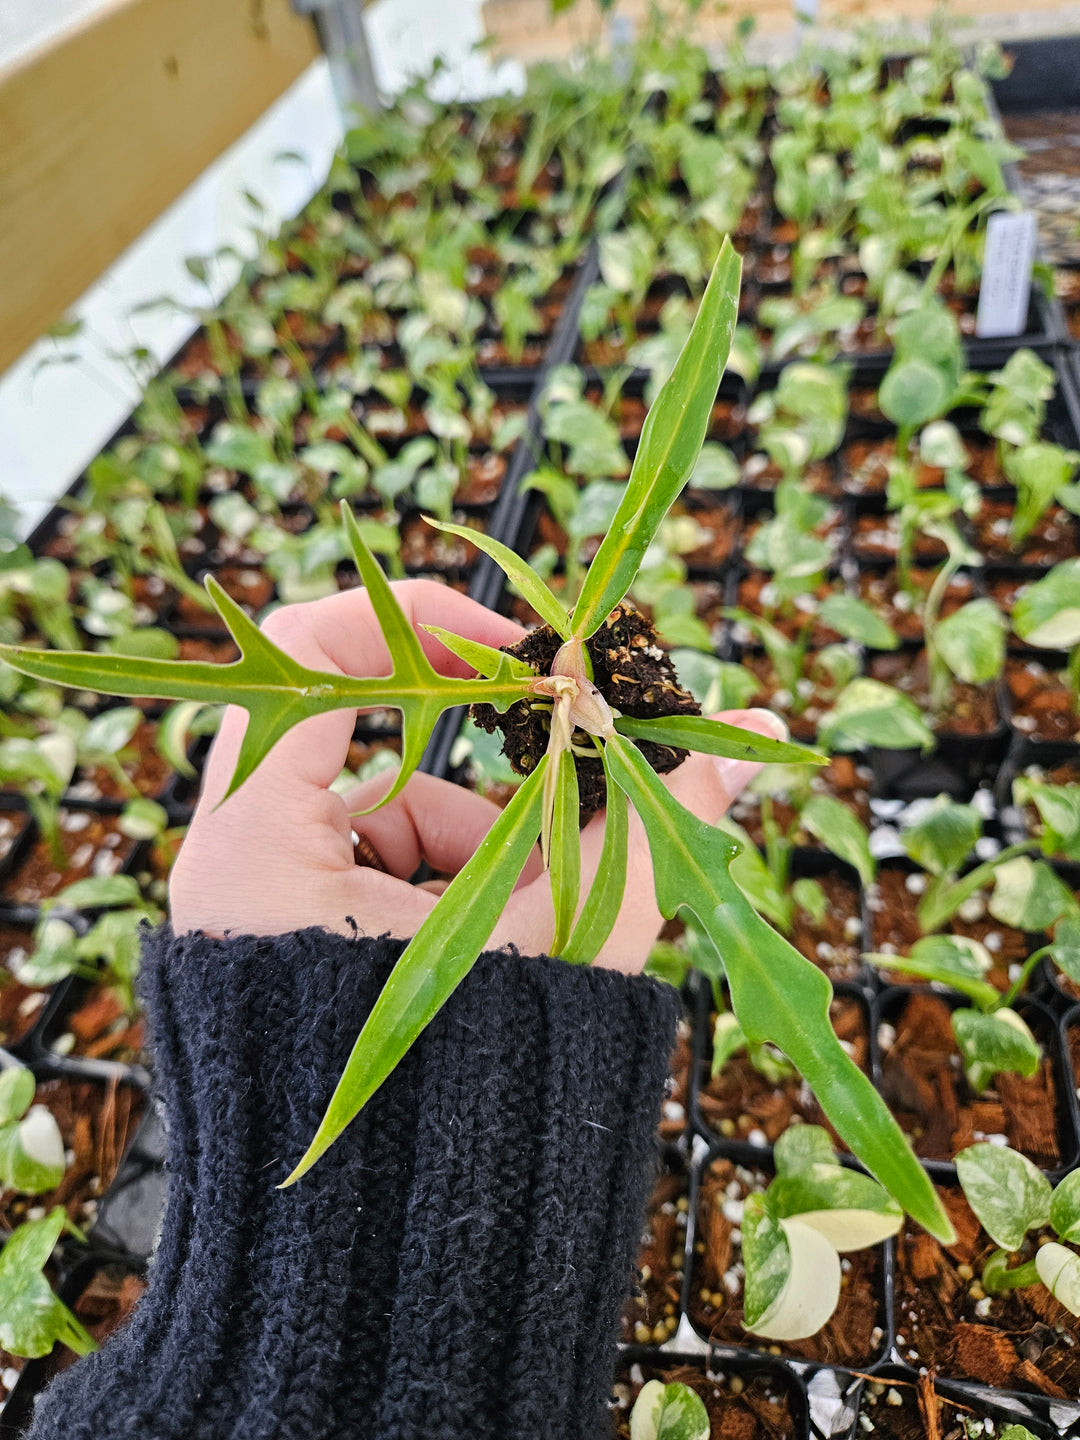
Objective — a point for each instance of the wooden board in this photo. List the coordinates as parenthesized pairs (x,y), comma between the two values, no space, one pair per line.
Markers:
(102,129)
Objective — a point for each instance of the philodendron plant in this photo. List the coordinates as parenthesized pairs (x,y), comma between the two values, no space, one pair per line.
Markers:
(778,996)
(1011,1198)
(669,1412)
(795,1232)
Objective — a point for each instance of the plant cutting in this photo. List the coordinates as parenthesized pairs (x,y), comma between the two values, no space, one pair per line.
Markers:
(777,994)
(669,1412)
(794,1233)
(1011,1198)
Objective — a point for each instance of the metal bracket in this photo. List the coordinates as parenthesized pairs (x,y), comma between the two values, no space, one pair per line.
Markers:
(343,36)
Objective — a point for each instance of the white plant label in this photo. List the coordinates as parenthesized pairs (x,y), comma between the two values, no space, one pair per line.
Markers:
(1006,278)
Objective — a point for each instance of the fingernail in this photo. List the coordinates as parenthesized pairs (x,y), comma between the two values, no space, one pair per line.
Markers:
(774,724)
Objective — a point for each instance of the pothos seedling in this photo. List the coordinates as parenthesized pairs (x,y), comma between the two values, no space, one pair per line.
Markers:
(777,994)
(669,1412)
(1011,1198)
(1047,615)
(795,1232)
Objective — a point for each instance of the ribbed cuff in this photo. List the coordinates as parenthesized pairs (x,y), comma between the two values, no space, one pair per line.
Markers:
(453,1267)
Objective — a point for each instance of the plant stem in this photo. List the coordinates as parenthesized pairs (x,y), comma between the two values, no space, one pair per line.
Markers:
(1021,979)
(997,1278)
(940,902)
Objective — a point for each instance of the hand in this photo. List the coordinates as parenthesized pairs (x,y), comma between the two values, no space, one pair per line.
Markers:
(278,856)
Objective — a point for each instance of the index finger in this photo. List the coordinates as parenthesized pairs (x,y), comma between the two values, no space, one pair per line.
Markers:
(340,634)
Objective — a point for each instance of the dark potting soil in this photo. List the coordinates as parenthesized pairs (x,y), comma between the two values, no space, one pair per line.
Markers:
(1040,702)
(92,845)
(801,722)
(761,473)
(110,1295)
(20,1005)
(96,1120)
(12,825)
(854,1334)
(757,593)
(843,778)
(741,1103)
(913,1410)
(651,1314)
(630,670)
(904,612)
(923,1083)
(1054,536)
(970,710)
(893,904)
(751,1408)
(877,537)
(676,1096)
(103,1030)
(425,548)
(140,761)
(1020,1340)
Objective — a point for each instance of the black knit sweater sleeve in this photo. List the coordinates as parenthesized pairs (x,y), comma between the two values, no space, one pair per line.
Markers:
(452,1269)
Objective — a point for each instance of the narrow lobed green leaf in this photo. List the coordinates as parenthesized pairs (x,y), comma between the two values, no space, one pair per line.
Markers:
(715,737)
(777,994)
(518,572)
(434,963)
(565,855)
(667,452)
(601,908)
(485,659)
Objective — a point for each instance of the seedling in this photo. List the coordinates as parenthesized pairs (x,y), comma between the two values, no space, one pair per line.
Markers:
(31,1146)
(1047,615)
(795,1232)
(32,1316)
(669,1412)
(1011,1198)
(778,996)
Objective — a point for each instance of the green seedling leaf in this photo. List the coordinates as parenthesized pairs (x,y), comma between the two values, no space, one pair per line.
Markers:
(1017,1432)
(667,452)
(990,1044)
(276,691)
(17,1086)
(173,730)
(485,660)
(777,994)
(810,896)
(1065,950)
(1059,1270)
(669,1412)
(108,732)
(32,1317)
(1059,811)
(31,1146)
(99,892)
(727,1041)
(913,392)
(841,832)
(943,837)
(1008,1194)
(715,684)
(856,620)
(601,908)
(1047,614)
(436,960)
(716,468)
(868,713)
(32,1152)
(766,1257)
(971,641)
(1065,1208)
(811,1288)
(565,857)
(517,571)
(849,1209)
(952,960)
(757,882)
(801,1146)
(714,737)
(1028,895)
